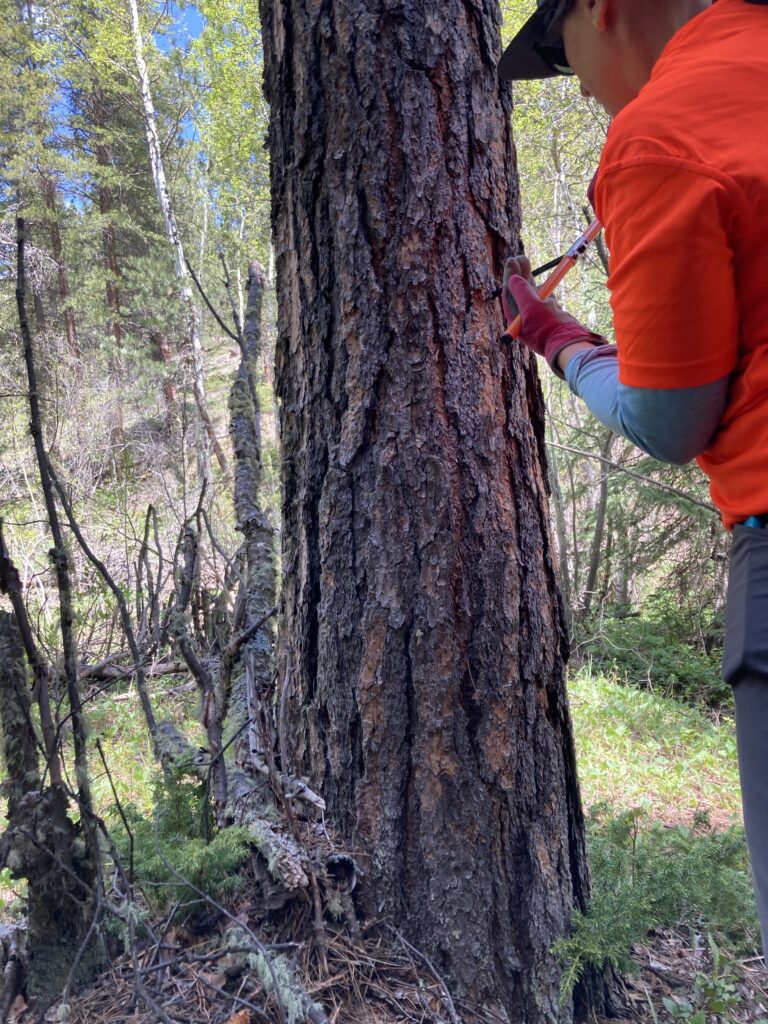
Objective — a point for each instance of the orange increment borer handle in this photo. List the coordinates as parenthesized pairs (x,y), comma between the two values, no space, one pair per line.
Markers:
(570,259)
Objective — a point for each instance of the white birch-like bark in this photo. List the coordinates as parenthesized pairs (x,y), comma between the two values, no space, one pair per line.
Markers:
(205,435)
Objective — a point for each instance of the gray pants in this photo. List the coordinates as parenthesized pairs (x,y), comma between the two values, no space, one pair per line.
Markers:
(745,667)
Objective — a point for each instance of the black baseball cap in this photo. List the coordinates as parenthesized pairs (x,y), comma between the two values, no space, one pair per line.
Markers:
(537,50)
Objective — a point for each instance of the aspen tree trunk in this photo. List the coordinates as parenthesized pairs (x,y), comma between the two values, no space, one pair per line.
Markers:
(206,436)
(420,614)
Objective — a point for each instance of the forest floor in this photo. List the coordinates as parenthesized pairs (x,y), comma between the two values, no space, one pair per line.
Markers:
(669,970)
(645,750)
(636,750)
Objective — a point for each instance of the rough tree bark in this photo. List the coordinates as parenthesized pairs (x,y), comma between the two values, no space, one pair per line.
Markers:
(252,520)
(420,620)
(41,843)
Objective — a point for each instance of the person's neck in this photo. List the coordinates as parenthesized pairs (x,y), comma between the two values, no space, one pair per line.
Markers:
(650,27)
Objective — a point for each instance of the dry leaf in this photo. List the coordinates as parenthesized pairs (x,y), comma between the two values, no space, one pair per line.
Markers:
(241,1017)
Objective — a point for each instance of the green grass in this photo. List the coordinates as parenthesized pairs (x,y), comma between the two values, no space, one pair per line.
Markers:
(640,749)
(117,720)
(666,846)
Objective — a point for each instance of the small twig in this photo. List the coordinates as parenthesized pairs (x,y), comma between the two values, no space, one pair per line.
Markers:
(120,810)
(140,566)
(228,288)
(125,615)
(208,303)
(247,634)
(425,959)
(637,476)
(230,995)
(95,918)
(141,989)
(155,616)
(281,728)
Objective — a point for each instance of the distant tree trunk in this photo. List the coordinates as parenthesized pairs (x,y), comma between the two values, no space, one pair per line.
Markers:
(622,584)
(595,551)
(109,248)
(164,353)
(207,433)
(97,107)
(67,311)
(257,668)
(420,614)
(607,566)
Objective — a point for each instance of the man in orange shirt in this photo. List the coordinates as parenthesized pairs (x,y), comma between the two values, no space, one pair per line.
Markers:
(682,190)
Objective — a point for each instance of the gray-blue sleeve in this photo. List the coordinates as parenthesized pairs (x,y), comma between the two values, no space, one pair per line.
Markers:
(669,424)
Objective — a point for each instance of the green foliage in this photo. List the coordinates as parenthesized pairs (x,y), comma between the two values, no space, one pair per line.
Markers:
(662,650)
(646,875)
(713,995)
(13,894)
(181,834)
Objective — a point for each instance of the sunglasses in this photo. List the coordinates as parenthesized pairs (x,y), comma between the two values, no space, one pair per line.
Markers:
(550,47)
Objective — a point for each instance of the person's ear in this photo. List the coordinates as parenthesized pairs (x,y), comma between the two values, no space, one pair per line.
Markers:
(601,13)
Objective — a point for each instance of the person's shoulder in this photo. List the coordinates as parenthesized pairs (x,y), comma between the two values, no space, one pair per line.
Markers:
(698,104)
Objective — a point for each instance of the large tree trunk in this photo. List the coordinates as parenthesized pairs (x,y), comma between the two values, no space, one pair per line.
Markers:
(421,620)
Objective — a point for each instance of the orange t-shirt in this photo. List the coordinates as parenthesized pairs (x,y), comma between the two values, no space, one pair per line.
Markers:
(682,190)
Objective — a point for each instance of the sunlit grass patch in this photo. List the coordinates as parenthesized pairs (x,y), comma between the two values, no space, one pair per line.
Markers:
(639,749)
(117,721)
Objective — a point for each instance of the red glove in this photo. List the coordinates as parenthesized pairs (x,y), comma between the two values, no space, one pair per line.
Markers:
(547,328)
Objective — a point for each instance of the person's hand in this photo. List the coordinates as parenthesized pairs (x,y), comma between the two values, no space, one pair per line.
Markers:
(546,327)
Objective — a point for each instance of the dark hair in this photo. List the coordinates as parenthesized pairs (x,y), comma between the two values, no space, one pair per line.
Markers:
(564,8)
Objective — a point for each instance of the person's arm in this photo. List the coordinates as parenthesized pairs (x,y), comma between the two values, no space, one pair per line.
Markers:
(669,424)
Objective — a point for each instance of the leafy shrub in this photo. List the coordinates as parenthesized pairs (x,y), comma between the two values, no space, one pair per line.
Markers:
(646,875)
(713,995)
(180,837)
(661,649)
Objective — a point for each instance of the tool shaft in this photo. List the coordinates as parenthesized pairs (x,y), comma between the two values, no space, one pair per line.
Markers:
(570,259)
